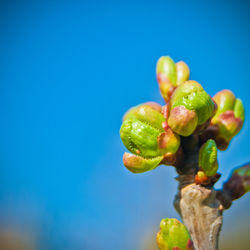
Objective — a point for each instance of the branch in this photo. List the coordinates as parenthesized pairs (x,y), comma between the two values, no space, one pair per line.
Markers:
(201,213)
(201,207)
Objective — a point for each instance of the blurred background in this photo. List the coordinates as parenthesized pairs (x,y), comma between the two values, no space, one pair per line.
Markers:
(69,70)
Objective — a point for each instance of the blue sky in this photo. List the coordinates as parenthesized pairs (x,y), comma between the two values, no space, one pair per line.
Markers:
(69,70)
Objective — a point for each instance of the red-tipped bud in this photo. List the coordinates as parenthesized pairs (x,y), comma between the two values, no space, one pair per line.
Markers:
(229,116)
(182,121)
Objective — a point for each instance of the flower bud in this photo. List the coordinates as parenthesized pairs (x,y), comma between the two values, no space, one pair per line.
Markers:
(166,76)
(170,75)
(143,134)
(208,158)
(239,182)
(182,120)
(167,69)
(182,72)
(140,138)
(229,116)
(173,235)
(143,139)
(225,101)
(138,164)
(168,141)
(192,96)
(229,125)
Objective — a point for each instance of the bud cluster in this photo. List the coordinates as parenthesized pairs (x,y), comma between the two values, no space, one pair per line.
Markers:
(189,107)
(144,135)
(191,124)
(153,133)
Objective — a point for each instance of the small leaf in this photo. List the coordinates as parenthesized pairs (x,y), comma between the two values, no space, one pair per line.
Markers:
(208,158)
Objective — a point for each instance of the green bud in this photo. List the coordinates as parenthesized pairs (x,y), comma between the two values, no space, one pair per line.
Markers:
(168,142)
(208,158)
(229,125)
(142,133)
(229,116)
(166,67)
(225,101)
(138,164)
(140,138)
(192,96)
(186,89)
(183,72)
(173,235)
(182,121)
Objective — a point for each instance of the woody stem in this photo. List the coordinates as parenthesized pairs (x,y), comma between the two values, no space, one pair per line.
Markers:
(198,206)
(201,213)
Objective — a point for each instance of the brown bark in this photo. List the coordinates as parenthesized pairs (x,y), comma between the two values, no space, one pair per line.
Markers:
(201,213)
